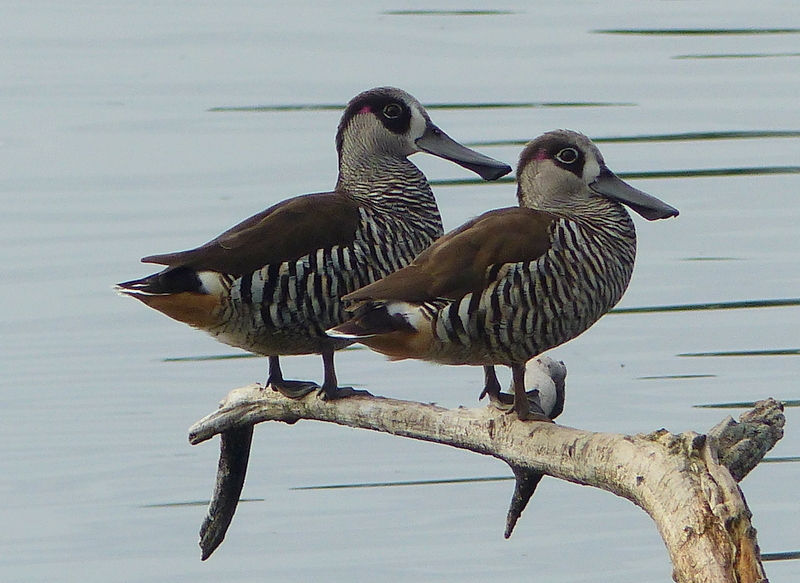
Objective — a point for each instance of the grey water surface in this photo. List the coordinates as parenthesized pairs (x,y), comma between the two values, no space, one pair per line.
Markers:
(133,128)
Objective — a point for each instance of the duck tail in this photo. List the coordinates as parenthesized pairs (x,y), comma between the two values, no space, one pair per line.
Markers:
(372,320)
(173,280)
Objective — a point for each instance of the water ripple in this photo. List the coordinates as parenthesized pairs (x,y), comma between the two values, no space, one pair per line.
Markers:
(739,56)
(649,175)
(207,357)
(677,376)
(744,405)
(780,556)
(727,353)
(702,136)
(203,358)
(737,305)
(781,460)
(448,12)
(716,259)
(697,31)
(452,480)
(193,503)
(492,105)
(677,137)
(406,483)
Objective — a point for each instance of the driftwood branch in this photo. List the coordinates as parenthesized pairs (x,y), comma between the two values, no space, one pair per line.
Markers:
(686,482)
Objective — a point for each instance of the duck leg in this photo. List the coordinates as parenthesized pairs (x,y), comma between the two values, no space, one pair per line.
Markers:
(330,386)
(525,408)
(491,388)
(291,389)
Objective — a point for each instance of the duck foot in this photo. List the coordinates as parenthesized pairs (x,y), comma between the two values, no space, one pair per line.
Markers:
(501,401)
(334,393)
(531,408)
(524,487)
(330,390)
(290,389)
(505,402)
(293,389)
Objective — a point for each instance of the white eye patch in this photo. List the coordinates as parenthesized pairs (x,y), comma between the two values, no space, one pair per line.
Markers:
(591,168)
(418,124)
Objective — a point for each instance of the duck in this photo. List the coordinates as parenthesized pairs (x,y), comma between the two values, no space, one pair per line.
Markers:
(513,282)
(273,284)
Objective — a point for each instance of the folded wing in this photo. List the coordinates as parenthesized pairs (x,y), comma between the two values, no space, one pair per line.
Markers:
(456,264)
(285,232)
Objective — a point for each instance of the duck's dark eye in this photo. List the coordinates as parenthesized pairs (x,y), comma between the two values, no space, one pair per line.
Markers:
(392,111)
(567,155)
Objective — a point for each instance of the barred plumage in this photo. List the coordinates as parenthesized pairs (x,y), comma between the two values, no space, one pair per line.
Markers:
(530,307)
(514,282)
(286,308)
(273,284)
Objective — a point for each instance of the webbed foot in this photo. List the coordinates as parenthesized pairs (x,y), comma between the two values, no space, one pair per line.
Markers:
(333,393)
(293,389)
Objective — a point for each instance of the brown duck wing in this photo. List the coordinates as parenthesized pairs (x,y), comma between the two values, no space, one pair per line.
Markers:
(456,264)
(284,232)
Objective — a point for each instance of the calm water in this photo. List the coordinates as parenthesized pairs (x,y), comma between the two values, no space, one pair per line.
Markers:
(108,152)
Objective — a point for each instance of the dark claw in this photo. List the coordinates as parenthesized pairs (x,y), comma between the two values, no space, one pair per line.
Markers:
(233,457)
(524,487)
(491,386)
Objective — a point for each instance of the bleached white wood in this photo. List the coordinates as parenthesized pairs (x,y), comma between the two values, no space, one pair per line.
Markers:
(677,479)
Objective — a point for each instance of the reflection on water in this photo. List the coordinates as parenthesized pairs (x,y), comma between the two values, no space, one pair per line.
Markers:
(712,172)
(209,357)
(744,405)
(728,353)
(677,377)
(497,105)
(780,556)
(739,56)
(781,460)
(474,480)
(719,259)
(202,503)
(699,31)
(110,153)
(651,175)
(679,137)
(448,12)
(406,483)
(741,305)
(238,355)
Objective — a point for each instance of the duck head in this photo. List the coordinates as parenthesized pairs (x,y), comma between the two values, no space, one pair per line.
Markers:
(563,172)
(388,122)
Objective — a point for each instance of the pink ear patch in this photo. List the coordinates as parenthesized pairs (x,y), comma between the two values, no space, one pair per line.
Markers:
(365,109)
(541,155)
